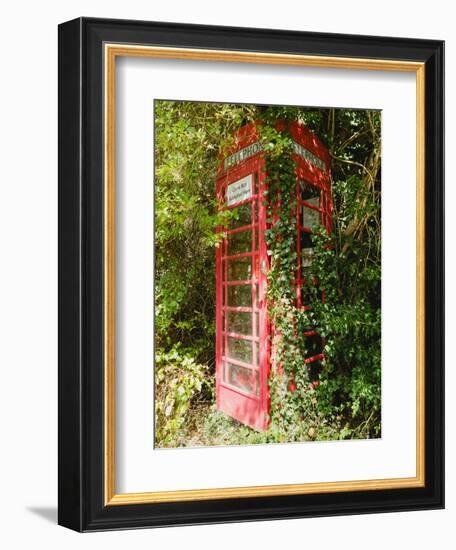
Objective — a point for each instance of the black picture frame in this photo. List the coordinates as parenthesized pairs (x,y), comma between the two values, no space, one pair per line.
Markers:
(81,321)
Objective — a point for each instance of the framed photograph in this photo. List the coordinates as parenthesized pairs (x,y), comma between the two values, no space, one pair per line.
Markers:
(251,312)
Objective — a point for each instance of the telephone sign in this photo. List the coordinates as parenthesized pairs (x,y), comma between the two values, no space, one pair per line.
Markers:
(239,191)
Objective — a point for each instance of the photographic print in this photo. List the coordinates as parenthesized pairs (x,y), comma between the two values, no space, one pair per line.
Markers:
(267,274)
(254,267)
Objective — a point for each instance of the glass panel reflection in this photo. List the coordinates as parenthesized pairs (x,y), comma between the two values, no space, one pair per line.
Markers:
(240,216)
(307,251)
(242,378)
(240,295)
(240,350)
(240,269)
(309,217)
(239,322)
(239,242)
(308,191)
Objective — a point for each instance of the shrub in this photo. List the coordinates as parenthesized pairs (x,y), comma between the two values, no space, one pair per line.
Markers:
(179,383)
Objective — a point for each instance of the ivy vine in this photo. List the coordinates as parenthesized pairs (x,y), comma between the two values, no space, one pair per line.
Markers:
(291,392)
(307,403)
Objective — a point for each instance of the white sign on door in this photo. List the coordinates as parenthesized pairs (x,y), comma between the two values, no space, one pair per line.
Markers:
(239,190)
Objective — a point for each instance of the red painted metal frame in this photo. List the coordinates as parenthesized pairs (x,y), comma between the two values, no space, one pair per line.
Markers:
(252,409)
(249,408)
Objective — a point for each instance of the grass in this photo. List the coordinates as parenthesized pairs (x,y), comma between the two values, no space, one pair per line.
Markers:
(209,427)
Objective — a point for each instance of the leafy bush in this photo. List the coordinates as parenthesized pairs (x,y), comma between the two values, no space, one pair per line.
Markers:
(179,383)
(345,303)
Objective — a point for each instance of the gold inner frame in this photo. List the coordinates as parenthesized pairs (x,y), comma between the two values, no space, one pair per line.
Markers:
(111,52)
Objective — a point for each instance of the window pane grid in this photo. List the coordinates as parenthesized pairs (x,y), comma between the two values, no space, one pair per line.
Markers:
(240,336)
(240,228)
(238,256)
(240,308)
(240,363)
(240,312)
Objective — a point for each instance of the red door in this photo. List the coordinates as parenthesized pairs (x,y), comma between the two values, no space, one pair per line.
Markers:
(241,345)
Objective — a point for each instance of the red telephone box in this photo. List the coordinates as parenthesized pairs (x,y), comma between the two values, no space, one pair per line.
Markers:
(243,354)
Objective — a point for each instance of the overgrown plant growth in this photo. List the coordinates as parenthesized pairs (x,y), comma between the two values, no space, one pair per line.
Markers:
(340,399)
(343,292)
(291,390)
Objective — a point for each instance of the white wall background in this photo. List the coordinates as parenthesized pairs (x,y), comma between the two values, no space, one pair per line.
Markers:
(28,288)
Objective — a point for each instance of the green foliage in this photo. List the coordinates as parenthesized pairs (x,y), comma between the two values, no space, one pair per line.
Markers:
(342,398)
(288,408)
(188,137)
(347,269)
(350,321)
(179,383)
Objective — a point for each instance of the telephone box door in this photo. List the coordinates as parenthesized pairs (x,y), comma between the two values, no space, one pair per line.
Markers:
(242,354)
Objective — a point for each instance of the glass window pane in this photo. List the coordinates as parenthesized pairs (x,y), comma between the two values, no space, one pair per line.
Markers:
(241,215)
(308,191)
(242,378)
(306,240)
(314,201)
(240,269)
(239,242)
(240,350)
(314,345)
(306,250)
(310,217)
(240,295)
(240,322)
(306,259)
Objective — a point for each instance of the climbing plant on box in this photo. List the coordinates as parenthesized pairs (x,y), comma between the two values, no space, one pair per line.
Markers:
(347,269)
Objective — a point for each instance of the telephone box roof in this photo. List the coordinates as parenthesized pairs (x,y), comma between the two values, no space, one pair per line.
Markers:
(308,148)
